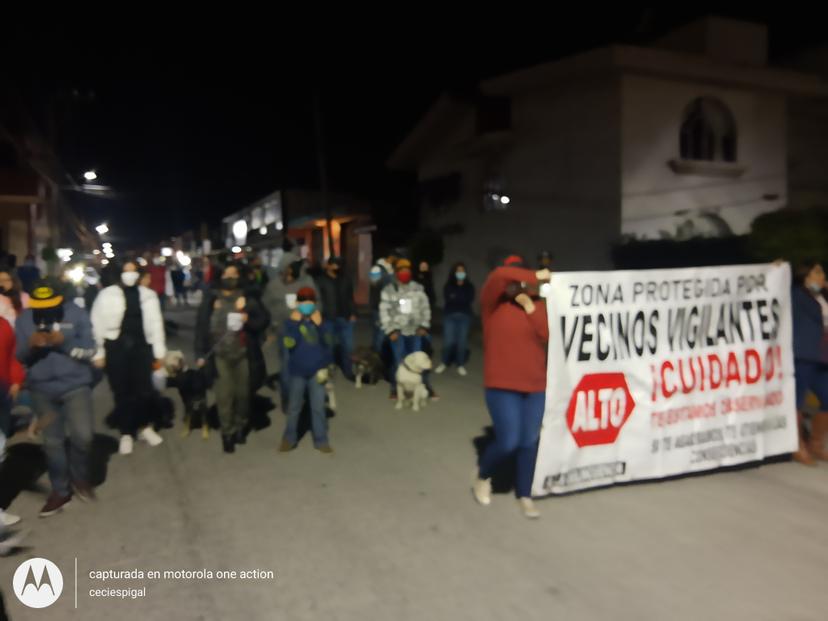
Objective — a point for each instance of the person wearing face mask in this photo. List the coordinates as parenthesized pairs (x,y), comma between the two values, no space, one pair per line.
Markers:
(280,300)
(129,334)
(458,295)
(426,279)
(809,305)
(405,316)
(13,300)
(55,344)
(336,293)
(308,340)
(515,337)
(228,339)
(12,375)
(28,273)
(378,278)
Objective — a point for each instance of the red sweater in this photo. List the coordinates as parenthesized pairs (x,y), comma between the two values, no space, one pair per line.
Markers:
(514,342)
(11,371)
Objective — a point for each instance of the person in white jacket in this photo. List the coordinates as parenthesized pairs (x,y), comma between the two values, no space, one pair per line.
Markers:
(129,335)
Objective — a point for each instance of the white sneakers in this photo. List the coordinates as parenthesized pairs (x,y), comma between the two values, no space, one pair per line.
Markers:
(482,490)
(149,436)
(528,508)
(7,519)
(125,447)
(460,370)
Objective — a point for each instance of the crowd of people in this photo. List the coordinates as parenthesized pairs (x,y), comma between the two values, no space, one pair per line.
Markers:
(54,352)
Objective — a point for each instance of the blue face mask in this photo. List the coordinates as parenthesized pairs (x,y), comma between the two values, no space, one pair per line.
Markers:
(307,308)
(460,275)
(374,276)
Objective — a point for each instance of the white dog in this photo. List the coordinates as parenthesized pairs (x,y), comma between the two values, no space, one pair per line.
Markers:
(410,384)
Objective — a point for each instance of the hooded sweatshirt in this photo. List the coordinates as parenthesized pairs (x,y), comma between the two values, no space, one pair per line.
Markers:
(514,342)
(279,298)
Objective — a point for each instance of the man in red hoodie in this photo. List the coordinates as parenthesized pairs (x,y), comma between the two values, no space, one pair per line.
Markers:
(515,337)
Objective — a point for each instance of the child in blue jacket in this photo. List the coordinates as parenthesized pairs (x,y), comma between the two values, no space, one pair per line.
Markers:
(309,340)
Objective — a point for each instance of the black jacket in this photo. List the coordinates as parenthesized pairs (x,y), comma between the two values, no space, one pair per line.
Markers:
(336,296)
(258,319)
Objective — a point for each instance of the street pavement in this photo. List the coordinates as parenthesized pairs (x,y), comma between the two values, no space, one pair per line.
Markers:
(386,529)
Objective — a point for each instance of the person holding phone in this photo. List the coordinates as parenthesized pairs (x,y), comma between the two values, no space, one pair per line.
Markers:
(129,334)
(228,331)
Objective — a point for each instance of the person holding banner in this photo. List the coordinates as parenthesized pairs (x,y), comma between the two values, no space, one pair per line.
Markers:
(515,336)
(810,336)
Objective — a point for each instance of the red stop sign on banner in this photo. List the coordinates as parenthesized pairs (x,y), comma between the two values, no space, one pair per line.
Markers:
(600,405)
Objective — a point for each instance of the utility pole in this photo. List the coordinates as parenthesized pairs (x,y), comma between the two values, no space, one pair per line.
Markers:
(323,170)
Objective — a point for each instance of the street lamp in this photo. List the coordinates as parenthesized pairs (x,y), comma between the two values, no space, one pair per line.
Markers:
(166,252)
(90,175)
(102,229)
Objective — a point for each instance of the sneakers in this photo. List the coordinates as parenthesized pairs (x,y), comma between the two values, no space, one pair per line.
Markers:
(392,396)
(482,490)
(125,446)
(286,447)
(149,435)
(7,519)
(440,369)
(228,444)
(528,508)
(84,491)
(54,504)
(461,371)
(325,448)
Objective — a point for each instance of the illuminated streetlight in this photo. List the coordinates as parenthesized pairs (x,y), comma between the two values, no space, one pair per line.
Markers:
(102,229)
(90,175)
(166,252)
(279,226)
(240,231)
(96,252)
(236,249)
(105,262)
(263,230)
(505,200)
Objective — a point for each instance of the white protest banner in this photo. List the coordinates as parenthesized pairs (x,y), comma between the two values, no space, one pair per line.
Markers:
(656,373)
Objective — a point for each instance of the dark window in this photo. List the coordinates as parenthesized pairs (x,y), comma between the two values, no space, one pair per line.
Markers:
(441,192)
(708,132)
(494,114)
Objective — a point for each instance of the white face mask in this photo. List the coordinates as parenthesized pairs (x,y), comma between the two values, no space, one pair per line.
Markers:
(130,279)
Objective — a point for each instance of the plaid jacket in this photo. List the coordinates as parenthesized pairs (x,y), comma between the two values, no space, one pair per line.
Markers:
(404,308)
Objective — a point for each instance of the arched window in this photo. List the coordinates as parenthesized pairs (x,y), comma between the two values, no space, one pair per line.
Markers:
(708,132)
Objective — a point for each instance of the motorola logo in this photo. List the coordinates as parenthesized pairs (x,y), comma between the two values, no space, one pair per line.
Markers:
(38,583)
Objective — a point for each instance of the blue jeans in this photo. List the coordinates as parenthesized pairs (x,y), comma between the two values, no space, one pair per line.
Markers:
(400,348)
(377,335)
(319,423)
(811,377)
(70,413)
(456,338)
(517,418)
(344,346)
(284,373)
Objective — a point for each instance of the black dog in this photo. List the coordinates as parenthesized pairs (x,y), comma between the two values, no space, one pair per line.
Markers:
(192,385)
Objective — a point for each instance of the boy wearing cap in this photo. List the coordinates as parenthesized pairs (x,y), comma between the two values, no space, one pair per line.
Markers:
(308,340)
(54,341)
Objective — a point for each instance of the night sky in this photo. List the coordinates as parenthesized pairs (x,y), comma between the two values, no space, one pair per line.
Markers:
(190,122)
